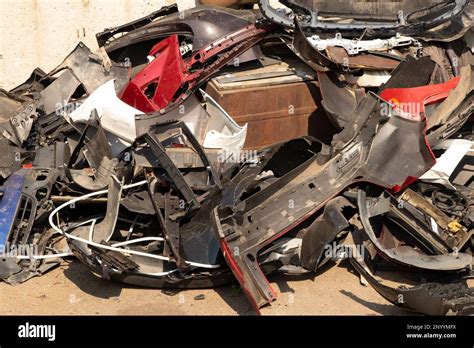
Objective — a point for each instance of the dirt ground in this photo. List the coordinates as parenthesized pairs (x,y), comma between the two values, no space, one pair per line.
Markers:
(72,290)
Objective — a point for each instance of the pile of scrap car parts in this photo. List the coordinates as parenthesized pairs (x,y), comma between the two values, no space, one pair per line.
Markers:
(119,158)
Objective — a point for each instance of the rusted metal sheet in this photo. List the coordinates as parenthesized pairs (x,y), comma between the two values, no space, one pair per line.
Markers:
(271,119)
(364,60)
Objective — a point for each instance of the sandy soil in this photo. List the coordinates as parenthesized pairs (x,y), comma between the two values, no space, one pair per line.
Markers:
(72,290)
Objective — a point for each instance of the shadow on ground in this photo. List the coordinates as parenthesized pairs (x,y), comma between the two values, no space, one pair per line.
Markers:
(232,294)
(92,285)
(82,277)
(384,309)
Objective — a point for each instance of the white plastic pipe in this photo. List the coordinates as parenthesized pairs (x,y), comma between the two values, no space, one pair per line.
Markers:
(115,246)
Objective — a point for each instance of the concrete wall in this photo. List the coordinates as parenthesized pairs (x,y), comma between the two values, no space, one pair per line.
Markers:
(40,33)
